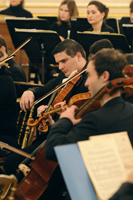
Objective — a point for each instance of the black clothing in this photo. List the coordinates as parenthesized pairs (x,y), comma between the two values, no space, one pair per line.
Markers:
(17,11)
(105,28)
(125,192)
(12,161)
(8,108)
(17,71)
(115,116)
(62,29)
(124,20)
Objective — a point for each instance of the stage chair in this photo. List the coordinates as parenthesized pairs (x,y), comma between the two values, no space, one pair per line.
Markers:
(113,22)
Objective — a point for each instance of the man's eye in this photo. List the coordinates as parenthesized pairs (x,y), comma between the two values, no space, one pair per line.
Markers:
(63,61)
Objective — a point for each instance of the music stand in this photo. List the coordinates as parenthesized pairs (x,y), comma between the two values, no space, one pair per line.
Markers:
(24,23)
(40,47)
(81,24)
(50,19)
(86,39)
(128,32)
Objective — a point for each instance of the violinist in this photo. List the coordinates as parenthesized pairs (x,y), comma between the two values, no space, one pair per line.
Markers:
(115,115)
(70,56)
(8,107)
(16,70)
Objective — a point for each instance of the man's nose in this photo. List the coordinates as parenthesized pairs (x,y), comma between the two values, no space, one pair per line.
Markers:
(61,66)
(86,83)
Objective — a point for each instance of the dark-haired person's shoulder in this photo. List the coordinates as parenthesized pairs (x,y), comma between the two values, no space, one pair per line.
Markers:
(54,25)
(5,11)
(107,28)
(27,13)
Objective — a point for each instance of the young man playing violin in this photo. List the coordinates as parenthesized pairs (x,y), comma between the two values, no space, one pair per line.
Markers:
(115,115)
(70,56)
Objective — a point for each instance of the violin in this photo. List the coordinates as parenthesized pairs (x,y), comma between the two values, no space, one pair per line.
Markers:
(63,94)
(78,100)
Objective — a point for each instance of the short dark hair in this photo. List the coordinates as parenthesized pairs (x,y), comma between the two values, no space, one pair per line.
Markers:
(100,44)
(101,7)
(131,6)
(129,58)
(110,60)
(71,47)
(3,43)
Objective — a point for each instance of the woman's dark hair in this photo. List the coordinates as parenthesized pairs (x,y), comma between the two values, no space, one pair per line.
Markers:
(129,58)
(73,10)
(101,7)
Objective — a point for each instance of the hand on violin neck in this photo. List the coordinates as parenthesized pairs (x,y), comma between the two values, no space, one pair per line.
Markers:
(70,114)
(61,105)
(41,109)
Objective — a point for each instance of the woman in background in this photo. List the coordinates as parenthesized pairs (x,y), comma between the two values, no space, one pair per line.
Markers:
(97,13)
(16,9)
(127,20)
(67,10)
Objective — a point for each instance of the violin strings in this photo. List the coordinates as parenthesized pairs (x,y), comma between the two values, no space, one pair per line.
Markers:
(59,86)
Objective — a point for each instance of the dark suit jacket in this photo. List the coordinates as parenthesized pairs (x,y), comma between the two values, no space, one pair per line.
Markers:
(115,116)
(125,192)
(17,71)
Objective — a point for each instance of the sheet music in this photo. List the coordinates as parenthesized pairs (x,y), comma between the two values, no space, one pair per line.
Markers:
(104,165)
(124,147)
(34,30)
(127,25)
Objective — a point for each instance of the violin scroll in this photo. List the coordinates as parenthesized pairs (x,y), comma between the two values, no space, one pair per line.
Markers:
(128,71)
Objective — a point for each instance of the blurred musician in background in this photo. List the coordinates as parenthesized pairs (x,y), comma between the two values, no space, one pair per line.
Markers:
(17,72)
(97,14)
(127,20)
(67,10)
(16,9)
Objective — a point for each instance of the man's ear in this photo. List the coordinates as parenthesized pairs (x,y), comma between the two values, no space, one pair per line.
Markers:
(105,76)
(3,48)
(79,56)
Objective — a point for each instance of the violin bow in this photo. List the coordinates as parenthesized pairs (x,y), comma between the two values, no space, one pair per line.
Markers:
(12,55)
(58,87)
(4,145)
